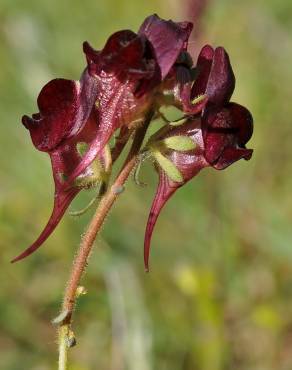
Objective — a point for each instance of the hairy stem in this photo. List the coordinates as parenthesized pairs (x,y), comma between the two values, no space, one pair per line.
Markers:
(87,241)
(63,347)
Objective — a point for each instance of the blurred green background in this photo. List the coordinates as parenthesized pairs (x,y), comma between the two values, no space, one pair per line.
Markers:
(219,294)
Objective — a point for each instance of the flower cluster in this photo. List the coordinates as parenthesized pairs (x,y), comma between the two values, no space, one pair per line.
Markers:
(131,78)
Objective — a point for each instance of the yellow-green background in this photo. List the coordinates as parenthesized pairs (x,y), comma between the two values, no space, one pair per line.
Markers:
(219,295)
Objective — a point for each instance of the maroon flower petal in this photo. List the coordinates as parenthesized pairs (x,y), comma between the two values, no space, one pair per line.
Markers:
(215,76)
(122,54)
(57,112)
(64,107)
(218,133)
(118,104)
(229,127)
(188,163)
(167,40)
(231,155)
(221,80)
(204,64)
(243,121)
(64,160)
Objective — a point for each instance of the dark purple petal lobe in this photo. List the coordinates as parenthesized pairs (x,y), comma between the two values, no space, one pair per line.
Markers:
(227,128)
(88,90)
(57,105)
(221,81)
(64,107)
(215,76)
(204,64)
(231,155)
(243,121)
(122,54)
(167,40)
(218,133)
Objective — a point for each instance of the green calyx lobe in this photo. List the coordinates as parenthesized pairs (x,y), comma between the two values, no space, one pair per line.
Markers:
(167,166)
(82,148)
(95,174)
(179,143)
(158,149)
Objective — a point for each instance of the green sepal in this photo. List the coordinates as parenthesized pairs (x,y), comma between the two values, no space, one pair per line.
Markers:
(168,167)
(92,180)
(82,148)
(179,143)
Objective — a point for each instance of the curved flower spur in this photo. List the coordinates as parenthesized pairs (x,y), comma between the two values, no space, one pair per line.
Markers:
(123,85)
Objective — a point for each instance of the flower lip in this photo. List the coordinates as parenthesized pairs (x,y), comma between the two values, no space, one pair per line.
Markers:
(225,133)
(231,155)
(64,107)
(57,110)
(244,122)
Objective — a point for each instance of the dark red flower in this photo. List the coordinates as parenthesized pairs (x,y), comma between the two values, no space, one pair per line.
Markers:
(67,119)
(219,133)
(116,90)
(133,75)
